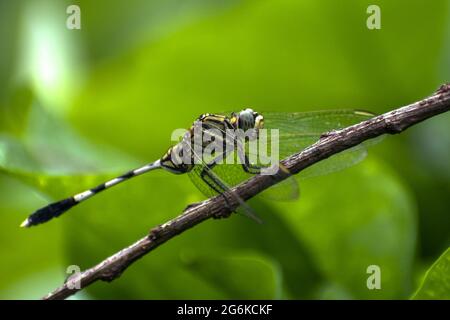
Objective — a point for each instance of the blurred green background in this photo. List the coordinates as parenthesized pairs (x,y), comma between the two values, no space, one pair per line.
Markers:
(78,106)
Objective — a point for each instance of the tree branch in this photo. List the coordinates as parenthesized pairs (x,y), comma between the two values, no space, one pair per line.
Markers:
(392,122)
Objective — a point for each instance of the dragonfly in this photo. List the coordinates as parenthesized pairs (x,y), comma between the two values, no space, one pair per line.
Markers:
(213,175)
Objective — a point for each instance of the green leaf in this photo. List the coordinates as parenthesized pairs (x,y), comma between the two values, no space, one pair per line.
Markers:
(245,275)
(32,259)
(355,218)
(15,110)
(66,163)
(436,282)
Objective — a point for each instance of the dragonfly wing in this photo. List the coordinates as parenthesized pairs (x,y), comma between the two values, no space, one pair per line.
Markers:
(286,190)
(337,162)
(197,180)
(197,176)
(315,122)
(299,130)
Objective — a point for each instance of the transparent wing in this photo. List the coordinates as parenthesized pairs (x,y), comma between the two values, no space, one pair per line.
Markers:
(315,122)
(286,190)
(230,174)
(233,174)
(301,129)
(220,187)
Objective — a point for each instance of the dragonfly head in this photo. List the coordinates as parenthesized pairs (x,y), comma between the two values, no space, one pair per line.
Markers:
(249,119)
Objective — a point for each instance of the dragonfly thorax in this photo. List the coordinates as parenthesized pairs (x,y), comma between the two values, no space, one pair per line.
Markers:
(181,157)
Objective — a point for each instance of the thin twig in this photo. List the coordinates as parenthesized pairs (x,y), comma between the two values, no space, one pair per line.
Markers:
(392,122)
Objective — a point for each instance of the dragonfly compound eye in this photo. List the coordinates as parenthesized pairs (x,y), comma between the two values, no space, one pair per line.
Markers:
(246,119)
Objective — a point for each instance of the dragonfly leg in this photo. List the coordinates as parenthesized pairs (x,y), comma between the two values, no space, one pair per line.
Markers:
(246,165)
(221,187)
(216,186)
(249,167)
